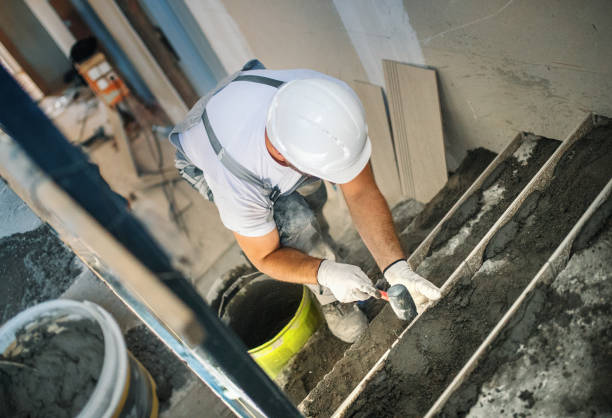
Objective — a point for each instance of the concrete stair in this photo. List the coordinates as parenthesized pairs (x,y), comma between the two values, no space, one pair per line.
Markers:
(511,232)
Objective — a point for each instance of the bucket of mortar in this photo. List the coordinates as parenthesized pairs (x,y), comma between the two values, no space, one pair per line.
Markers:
(124,387)
(274,319)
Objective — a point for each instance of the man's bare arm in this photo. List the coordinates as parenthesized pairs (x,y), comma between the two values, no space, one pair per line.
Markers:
(372,218)
(281,263)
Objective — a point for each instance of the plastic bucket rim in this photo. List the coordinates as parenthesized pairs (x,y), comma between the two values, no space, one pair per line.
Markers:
(114,366)
(303,303)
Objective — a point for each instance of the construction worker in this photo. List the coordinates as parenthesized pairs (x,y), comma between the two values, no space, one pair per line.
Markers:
(258,146)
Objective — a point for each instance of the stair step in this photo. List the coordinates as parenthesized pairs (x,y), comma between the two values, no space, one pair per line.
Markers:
(309,366)
(507,175)
(433,348)
(470,219)
(549,355)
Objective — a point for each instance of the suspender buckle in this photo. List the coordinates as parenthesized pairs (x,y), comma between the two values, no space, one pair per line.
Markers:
(275,194)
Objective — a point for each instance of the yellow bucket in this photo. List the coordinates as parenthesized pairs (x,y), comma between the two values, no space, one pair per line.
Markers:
(273,355)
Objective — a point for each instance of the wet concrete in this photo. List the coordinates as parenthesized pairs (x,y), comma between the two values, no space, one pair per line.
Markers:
(441,341)
(35,266)
(305,369)
(469,224)
(555,356)
(415,221)
(63,360)
(168,372)
(468,171)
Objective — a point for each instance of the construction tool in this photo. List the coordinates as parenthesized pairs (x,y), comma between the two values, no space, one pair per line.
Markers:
(400,300)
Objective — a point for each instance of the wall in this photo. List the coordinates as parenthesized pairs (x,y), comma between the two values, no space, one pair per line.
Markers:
(32,46)
(503,65)
(281,33)
(507,66)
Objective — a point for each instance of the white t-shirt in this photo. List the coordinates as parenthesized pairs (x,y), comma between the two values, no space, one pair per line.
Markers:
(237,115)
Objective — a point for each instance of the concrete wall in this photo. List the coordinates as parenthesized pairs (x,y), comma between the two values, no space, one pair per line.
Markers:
(281,33)
(504,65)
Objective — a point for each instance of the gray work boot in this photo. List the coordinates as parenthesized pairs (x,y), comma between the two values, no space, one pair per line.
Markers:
(345,320)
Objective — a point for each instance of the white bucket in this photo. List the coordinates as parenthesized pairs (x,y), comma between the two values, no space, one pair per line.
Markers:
(123,382)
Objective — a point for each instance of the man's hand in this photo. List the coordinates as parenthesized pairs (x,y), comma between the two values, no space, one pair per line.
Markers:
(421,290)
(348,283)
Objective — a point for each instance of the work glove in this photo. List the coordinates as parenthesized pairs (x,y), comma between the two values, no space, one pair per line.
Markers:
(421,290)
(348,283)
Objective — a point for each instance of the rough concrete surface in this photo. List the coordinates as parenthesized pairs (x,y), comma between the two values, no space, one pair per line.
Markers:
(169,373)
(415,221)
(440,342)
(469,224)
(34,266)
(555,356)
(17,216)
(62,358)
(307,368)
(468,171)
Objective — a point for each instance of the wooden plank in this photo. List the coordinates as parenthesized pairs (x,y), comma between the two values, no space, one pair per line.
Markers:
(383,159)
(417,129)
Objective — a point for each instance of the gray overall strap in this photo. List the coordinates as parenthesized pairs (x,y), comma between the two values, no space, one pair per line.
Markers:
(227,160)
(234,166)
(261,80)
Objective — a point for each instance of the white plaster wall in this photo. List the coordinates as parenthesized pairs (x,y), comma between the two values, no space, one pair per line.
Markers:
(281,33)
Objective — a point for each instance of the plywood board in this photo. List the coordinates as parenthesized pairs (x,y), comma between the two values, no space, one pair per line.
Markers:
(417,129)
(383,159)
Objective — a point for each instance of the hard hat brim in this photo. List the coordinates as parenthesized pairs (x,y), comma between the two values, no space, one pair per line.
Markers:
(345,175)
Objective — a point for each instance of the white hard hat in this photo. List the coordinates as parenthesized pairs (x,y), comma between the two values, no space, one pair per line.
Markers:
(319,126)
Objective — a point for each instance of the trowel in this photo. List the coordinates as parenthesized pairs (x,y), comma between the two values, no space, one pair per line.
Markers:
(400,300)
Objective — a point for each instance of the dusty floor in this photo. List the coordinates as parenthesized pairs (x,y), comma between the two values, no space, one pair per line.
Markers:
(436,347)
(555,357)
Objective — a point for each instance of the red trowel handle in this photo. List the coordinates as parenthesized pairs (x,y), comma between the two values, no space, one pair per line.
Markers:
(383,295)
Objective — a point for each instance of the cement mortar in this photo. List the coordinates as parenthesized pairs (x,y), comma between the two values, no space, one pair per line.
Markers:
(306,369)
(415,221)
(35,266)
(63,358)
(469,224)
(168,372)
(555,356)
(441,341)
(471,167)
